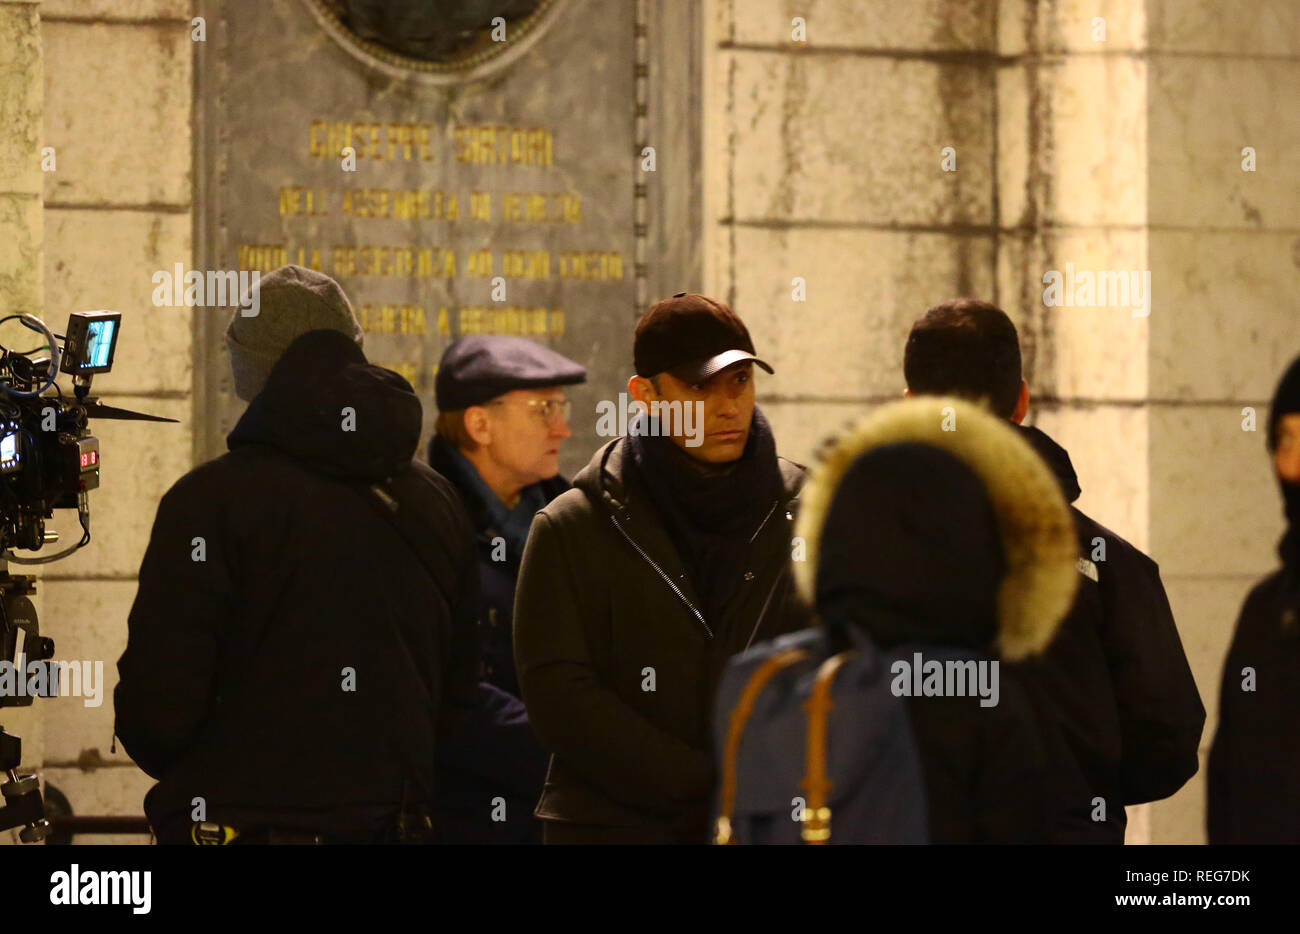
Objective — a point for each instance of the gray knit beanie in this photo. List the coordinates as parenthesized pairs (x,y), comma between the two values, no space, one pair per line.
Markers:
(292,300)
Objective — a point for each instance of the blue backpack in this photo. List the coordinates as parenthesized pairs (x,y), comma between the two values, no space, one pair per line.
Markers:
(815,748)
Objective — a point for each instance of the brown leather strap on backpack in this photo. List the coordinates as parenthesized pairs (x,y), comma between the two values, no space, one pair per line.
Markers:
(736,728)
(816,786)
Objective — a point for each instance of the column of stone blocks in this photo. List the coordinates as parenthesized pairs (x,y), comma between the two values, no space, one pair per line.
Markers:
(1072,191)
(118,114)
(824,169)
(21,236)
(1225,260)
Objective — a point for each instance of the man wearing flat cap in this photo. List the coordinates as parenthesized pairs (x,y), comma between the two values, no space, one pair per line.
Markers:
(502,418)
(671,553)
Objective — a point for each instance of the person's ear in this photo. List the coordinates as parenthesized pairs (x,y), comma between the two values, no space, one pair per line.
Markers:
(641,389)
(907,393)
(1022,404)
(478,426)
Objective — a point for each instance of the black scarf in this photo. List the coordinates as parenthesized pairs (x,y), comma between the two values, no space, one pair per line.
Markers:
(710,517)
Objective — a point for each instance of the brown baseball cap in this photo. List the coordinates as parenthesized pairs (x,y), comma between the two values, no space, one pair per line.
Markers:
(692,337)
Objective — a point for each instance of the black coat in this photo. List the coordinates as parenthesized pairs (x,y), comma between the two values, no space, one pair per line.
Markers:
(618,668)
(1115,680)
(493,752)
(1253,777)
(986,769)
(270,583)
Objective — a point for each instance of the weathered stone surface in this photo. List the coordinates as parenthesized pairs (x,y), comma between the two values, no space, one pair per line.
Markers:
(87,621)
(117,101)
(1138,831)
(804,149)
(20,100)
(1215,507)
(21,231)
(117,9)
(21,282)
(109,792)
(801,428)
(1203,111)
(864,289)
(947,25)
(1069,26)
(1086,352)
(1225,324)
(1180,818)
(1266,27)
(107,259)
(1072,142)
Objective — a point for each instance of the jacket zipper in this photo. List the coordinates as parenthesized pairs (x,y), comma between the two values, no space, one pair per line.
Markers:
(764,522)
(667,580)
(763,612)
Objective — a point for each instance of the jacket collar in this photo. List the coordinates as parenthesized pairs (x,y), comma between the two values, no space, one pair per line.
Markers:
(610,481)
(474,492)
(1056,458)
(606,479)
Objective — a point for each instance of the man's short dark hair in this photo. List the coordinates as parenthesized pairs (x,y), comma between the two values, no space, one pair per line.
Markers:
(968,348)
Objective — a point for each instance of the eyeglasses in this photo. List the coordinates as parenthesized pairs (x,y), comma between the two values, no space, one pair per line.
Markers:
(551,411)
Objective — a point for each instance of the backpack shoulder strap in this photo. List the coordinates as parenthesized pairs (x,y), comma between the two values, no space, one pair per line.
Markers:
(816,785)
(736,728)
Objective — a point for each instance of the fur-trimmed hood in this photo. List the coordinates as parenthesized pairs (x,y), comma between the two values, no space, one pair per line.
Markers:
(1033,521)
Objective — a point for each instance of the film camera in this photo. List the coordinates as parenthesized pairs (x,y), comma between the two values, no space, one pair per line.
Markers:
(48,460)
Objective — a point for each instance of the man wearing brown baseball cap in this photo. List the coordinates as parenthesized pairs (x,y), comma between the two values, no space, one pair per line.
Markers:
(670,555)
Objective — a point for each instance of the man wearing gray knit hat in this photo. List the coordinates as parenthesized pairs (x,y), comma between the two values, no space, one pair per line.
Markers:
(256,617)
(292,300)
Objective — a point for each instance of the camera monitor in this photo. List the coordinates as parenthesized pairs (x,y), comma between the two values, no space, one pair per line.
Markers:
(90,342)
(11,460)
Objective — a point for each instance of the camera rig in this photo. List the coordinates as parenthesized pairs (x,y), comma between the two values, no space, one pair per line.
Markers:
(48,460)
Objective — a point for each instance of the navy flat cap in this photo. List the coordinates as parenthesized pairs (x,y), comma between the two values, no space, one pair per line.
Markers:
(477,369)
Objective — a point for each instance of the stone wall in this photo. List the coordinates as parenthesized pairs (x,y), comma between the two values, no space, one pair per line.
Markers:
(22,280)
(118,114)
